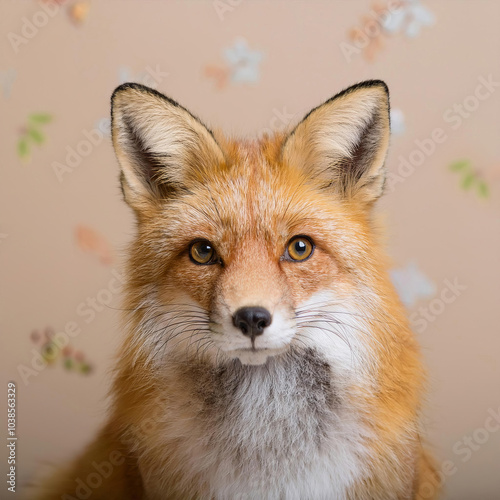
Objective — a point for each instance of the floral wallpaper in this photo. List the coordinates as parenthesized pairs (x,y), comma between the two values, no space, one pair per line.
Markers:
(249,68)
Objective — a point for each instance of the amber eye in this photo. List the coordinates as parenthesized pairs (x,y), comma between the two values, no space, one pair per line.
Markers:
(299,248)
(202,252)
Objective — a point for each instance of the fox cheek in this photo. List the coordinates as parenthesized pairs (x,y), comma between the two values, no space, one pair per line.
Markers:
(320,273)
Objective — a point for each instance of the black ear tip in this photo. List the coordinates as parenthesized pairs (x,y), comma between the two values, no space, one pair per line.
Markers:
(367,84)
(371,83)
(143,89)
(382,85)
(129,86)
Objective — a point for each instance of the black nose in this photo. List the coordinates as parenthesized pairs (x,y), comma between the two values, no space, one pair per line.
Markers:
(252,320)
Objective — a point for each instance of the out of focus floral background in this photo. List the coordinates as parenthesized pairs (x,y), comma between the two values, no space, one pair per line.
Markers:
(249,67)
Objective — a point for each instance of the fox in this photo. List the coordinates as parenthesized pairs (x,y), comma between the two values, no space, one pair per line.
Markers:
(266,354)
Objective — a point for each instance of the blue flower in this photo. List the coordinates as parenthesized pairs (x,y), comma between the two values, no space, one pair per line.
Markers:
(409,18)
(411,284)
(397,121)
(244,62)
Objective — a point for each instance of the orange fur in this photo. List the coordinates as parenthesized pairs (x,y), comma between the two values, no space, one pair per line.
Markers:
(248,199)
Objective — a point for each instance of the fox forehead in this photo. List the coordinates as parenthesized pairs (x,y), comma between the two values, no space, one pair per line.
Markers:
(253,197)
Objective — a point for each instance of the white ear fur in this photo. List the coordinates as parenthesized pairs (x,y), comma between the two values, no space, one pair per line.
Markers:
(159,144)
(342,144)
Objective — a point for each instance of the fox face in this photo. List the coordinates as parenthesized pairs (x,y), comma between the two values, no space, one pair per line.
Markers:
(248,249)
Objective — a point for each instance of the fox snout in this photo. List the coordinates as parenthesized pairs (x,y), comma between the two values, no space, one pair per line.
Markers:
(252,310)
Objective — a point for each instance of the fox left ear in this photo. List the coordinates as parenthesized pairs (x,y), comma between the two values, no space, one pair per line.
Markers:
(342,144)
(161,147)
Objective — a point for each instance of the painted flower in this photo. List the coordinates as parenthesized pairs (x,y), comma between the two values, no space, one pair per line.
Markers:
(397,121)
(243,61)
(91,241)
(411,284)
(409,18)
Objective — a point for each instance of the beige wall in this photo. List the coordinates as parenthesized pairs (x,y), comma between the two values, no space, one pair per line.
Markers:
(49,266)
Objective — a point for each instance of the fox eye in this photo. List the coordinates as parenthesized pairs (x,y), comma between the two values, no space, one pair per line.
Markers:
(202,252)
(299,248)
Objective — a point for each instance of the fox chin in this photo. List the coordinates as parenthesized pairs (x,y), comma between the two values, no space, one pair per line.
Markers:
(265,353)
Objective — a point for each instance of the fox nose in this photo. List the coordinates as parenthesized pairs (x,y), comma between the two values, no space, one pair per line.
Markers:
(252,320)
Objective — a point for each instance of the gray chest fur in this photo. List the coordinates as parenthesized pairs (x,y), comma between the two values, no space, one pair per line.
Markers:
(264,426)
(280,430)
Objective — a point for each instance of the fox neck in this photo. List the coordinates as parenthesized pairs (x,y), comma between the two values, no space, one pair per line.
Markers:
(300,377)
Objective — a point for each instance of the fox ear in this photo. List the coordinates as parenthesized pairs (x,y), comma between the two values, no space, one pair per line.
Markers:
(342,144)
(160,145)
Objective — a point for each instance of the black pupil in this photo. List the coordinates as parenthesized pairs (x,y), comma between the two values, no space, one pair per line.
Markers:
(204,250)
(300,247)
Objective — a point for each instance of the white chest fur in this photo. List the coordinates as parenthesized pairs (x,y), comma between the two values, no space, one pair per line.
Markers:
(282,430)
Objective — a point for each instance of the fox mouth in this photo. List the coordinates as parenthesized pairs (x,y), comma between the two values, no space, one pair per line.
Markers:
(255,355)
(254,349)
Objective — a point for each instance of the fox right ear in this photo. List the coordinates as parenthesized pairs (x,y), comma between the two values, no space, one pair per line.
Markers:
(160,145)
(342,144)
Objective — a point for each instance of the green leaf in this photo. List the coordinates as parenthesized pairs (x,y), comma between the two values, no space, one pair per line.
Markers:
(468,180)
(459,165)
(40,118)
(36,135)
(85,368)
(482,189)
(50,352)
(68,364)
(23,149)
